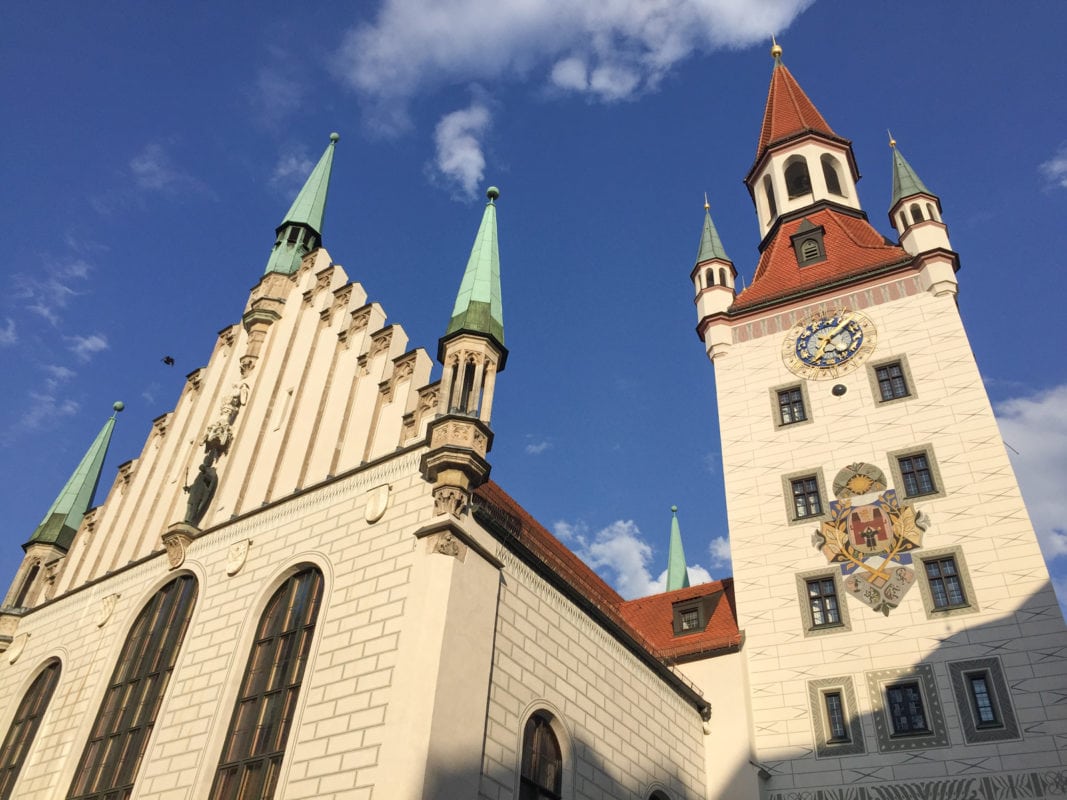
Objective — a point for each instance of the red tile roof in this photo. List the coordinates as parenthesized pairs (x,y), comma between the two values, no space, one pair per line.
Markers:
(853,247)
(653,616)
(649,620)
(788,112)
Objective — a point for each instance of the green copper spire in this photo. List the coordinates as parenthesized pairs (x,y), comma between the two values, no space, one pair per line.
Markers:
(301,229)
(710,243)
(905,182)
(677,574)
(63,518)
(478,306)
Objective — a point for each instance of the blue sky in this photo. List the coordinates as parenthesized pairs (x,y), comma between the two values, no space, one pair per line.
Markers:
(150,149)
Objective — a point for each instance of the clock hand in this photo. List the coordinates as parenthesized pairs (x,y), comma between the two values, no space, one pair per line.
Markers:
(840,327)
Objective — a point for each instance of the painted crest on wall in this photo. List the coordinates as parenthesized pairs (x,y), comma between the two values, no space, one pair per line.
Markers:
(871,535)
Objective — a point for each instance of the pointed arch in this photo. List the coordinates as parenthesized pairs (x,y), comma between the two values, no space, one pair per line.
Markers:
(23,729)
(541,775)
(263,714)
(127,715)
(27,584)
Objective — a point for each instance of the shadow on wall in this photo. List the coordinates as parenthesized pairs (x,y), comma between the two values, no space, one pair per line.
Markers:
(999,688)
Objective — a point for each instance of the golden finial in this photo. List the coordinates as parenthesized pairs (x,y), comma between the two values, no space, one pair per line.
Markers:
(892,141)
(776,49)
(707,205)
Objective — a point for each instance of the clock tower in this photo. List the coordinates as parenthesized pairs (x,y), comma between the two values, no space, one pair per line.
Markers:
(900,625)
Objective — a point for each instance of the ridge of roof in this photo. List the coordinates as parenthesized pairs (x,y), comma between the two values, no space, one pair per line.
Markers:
(789,111)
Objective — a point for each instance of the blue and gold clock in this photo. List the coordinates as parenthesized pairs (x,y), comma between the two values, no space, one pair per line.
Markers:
(829,345)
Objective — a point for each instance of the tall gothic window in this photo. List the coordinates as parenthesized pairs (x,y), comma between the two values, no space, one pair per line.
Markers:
(259,727)
(24,727)
(109,763)
(542,761)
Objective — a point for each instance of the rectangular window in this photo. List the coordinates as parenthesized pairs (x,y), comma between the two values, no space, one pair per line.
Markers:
(822,596)
(916,475)
(985,713)
(891,381)
(946,589)
(791,406)
(806,502)
(904,701)
(689,619)
(835,717)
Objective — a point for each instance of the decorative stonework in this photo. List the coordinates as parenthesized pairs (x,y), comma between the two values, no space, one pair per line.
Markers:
(90,520)
(377,503)
(18,644)
(176,541)
(1005,786)
(126,472)
(236,556)
(159,425)
(228,335)
(450,500)
(380,342)
(923,674)
(448,544)
(195,379)
(360,320)
(106,609)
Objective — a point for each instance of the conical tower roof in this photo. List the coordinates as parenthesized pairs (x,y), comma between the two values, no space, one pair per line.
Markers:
(478,307)
(710,243)
(63,518)
(677,574)
(905,182)
(789,111)
(307,211)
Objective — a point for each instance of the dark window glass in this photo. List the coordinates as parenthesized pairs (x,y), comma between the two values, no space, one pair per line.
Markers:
(542,762)
(829,172)
(709,277)
(822,595)
(835,717)
(944,579)
(294,234)
(791,406)
(905,705)
(27,584)
(689,619)
(722,276)
(24,727)
(916,213)
(259,727)
(797,179)
(891,381)
(124,722)
(769,190)
(915,472)
(806,500)
(984,710)
(930,211)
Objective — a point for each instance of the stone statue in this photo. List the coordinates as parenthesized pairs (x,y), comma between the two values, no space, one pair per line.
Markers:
(201,491)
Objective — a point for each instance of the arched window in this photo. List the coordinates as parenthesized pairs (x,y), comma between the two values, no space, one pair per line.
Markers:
(259,727)
(124,722)
(797,179)
(916,213)
(830,175)
(542,761)
(27,584)
(709,277)
(467,390)
(772,207)
(930,211)
(24,727)
(903,221)
(722,275)
(658,795)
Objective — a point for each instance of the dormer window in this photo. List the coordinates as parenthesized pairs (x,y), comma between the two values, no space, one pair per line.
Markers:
(808,244)
(692,616)
(797,179)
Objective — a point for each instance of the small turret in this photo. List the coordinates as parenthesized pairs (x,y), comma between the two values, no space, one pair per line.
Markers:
(472,352)
(915,212)
(713,279)
(677,573)
(301,228)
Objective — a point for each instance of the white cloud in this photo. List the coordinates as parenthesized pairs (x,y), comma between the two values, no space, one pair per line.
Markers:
(458,138)
(57,374)
(46,409)
(153,169)
(85,347)
(609,50)
(47,296)
(719,551)
(7,332)
(291,172)
(1055,169)
(536,447)
(1035,428)
(621,556)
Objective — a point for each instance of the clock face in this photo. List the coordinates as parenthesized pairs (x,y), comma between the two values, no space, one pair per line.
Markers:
(829,345)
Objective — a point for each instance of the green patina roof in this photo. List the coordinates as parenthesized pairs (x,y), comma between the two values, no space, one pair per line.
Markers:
(710,243)
(63,518)
(677,574)
(308,210)
(905,182)
(478,305)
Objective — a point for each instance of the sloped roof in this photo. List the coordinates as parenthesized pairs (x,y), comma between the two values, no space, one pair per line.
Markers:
(479,307)
(789,111)
(647,621)
(853,247)
(653,616)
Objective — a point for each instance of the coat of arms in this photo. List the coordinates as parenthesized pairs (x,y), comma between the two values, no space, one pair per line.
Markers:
(871,536)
